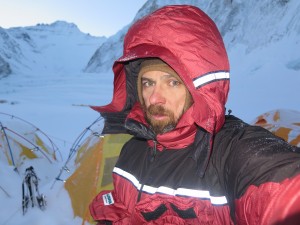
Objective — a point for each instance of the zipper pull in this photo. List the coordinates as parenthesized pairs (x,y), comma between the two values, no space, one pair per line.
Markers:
(140,193)
(154,151)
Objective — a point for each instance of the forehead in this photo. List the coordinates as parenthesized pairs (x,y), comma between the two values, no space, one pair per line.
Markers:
(155,74)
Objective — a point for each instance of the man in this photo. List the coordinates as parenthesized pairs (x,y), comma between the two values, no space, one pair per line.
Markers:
(188,163)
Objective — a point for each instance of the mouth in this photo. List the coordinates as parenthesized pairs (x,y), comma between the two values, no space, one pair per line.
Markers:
(159,116)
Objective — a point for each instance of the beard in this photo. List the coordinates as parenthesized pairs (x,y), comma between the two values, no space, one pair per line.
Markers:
(160,126)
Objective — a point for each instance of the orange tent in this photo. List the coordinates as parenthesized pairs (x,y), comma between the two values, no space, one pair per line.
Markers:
(283,123)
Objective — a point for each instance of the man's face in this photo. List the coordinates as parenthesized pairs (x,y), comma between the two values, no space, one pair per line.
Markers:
(164,99)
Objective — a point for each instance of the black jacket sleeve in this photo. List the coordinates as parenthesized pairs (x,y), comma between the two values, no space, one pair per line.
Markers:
(252,156)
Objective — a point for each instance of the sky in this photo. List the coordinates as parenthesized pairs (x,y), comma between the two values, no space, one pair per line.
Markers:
(97,17)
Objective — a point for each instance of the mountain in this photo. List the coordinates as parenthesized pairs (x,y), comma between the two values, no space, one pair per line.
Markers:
(45,48)
(4,67)
(250,23)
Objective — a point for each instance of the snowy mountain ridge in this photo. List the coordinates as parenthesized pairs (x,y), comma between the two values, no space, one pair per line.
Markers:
(28,49)
(254,24)
(251,24)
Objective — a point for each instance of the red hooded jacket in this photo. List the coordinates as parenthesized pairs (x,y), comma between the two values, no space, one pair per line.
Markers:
(212,168)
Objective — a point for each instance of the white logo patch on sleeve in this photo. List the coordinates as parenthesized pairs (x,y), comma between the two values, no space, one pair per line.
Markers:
(108,199)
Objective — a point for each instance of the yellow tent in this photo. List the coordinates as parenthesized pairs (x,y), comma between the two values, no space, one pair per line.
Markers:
(94,162)
(283,123)
(17,151)
(21,141)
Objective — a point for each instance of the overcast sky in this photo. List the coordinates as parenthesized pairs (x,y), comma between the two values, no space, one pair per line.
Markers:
(97,17)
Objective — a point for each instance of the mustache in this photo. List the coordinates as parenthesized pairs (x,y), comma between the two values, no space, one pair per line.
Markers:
(159,127)
(157,110)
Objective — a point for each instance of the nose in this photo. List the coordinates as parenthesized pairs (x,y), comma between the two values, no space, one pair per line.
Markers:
(157,96)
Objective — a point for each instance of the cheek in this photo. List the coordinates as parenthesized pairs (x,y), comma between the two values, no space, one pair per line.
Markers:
(146,99)
(177,103)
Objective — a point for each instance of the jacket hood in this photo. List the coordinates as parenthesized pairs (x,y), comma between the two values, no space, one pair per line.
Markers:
(188,41)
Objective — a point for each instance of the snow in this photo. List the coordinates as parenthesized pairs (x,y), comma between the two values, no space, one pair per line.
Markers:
(58,105)
(50,90)
(268,79)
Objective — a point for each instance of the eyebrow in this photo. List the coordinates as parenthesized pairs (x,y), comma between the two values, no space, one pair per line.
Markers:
(165,76)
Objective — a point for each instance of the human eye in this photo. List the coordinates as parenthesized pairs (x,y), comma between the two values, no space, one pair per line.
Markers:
(147,83)
(174,83)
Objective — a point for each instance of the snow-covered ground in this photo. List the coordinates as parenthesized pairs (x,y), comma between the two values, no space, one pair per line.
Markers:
(57,105)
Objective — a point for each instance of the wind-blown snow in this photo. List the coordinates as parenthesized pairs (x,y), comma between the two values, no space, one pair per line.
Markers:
(49,74)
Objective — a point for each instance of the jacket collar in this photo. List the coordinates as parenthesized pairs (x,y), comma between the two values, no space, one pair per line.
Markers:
(182,136)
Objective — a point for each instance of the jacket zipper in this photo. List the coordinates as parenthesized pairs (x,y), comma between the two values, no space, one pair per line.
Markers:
(153,155)
(154,151)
